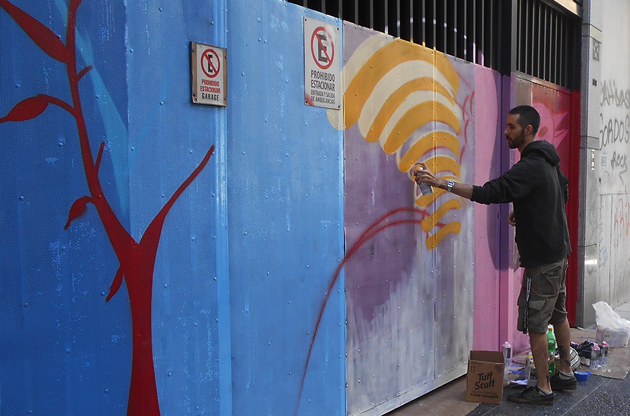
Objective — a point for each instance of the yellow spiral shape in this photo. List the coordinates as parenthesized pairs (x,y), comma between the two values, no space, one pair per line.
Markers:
(403,96)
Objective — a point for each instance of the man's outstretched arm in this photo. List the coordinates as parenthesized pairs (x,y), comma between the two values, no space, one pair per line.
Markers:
(425,175)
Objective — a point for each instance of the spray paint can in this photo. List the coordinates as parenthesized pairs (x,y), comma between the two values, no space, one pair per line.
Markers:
(424,188)
(507,358)
(507,354)
(604,353)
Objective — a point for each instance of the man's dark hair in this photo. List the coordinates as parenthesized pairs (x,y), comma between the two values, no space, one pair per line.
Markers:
(527,116)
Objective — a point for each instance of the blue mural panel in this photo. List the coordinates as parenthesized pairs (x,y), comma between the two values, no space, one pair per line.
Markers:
(64,350)
(285,221)
(136,193)
(168,139)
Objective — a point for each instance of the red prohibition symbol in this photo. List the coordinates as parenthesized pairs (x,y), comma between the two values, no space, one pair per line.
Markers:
(210,63)
(322,48)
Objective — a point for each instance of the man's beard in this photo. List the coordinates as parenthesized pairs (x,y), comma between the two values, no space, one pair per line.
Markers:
(515,143)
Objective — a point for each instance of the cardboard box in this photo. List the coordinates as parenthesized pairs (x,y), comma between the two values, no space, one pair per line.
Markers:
(484,382)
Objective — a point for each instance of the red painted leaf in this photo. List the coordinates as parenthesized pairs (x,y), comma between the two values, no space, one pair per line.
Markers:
(27,109)
(115,284)
(41,35)
(77,209)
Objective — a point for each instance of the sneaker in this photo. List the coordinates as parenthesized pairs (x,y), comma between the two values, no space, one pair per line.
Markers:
(560,383)
(532,395)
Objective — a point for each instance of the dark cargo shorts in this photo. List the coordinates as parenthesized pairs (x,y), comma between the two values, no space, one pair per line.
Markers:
(547,295)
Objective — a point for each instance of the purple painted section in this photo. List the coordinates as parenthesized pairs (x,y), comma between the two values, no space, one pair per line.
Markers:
(409,289)
(377,187)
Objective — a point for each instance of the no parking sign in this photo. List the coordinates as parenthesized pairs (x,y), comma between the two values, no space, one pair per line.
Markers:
(208,74)
(322,68)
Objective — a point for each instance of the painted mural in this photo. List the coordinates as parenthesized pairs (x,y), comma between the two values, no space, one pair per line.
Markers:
(305,275)
(285,190)
(80,339)
(136,258)
(403,97)
(554,105)
(407,266)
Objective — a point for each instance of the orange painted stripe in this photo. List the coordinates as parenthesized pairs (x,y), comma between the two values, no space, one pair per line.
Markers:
(426,200)
(429,222)
(443,163)
(427,143)
(397,98)
(417,117)
(383,61)
(432,241)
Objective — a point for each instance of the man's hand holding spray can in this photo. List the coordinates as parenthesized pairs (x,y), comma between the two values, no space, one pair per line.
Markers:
(415,171)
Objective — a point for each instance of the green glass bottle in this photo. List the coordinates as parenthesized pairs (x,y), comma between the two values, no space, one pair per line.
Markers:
(551,346)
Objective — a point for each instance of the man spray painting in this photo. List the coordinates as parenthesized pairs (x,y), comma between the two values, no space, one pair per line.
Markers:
(538,190)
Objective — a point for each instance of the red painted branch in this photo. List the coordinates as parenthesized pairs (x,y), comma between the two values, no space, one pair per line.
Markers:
(375,228)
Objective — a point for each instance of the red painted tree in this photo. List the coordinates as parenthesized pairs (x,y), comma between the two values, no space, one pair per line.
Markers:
(137,259)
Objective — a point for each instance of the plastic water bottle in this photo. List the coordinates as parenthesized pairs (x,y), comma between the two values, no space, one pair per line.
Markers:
(551,346)
(530,371)
(604,353)
(595,356)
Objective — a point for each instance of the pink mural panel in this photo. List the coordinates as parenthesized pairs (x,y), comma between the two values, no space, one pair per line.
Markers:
(487,218)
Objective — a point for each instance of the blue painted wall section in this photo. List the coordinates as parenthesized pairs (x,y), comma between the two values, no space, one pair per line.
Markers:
(285,221)
(243,312)
(66,351)
(168,138)
(58,335)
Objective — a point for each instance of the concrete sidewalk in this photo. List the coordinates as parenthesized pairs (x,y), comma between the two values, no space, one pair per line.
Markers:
(597,396)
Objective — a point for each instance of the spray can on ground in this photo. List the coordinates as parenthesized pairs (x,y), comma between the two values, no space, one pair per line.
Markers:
(507,354)
(507,359)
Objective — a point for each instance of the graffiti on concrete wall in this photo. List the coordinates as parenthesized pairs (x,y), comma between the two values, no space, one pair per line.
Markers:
(621,222)
(619,249)
(614,100)
(612,159)
(614,136)
(620,237)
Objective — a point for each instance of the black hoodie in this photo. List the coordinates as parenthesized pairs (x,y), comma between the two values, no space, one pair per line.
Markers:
(539,191)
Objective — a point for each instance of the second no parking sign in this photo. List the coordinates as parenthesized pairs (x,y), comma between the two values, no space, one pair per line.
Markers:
(322,64)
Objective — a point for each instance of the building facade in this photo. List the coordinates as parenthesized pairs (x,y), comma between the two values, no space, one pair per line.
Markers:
(267,253)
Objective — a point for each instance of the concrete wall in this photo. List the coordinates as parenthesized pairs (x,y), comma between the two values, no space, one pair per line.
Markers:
(604,232)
